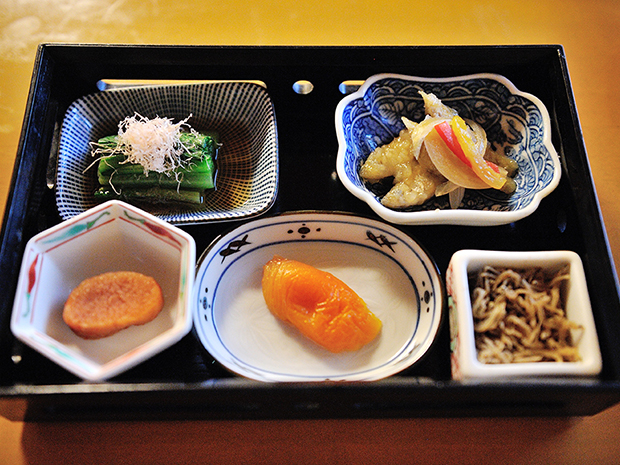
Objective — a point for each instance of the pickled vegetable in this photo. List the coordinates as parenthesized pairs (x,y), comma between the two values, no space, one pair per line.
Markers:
(442,154)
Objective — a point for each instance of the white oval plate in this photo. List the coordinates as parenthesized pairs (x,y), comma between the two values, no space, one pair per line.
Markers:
(386,267)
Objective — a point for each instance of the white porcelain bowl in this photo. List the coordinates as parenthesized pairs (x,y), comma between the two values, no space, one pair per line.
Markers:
(388,269)
(464,361)
(515,120)
(110,237)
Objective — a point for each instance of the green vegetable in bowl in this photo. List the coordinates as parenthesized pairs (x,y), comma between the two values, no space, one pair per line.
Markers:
(154,161)
(154,194)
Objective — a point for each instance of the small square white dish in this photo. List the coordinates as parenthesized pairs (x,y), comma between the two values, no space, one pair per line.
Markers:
(465,265)
(113,236)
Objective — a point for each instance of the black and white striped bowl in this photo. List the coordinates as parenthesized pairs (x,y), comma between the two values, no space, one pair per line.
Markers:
(241,113)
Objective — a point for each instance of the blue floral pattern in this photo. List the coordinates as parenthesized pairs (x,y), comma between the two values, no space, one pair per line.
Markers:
(511,119)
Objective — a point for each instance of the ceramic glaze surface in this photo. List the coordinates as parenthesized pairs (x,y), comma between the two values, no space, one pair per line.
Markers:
(240,113)
(515,122)
(384,266)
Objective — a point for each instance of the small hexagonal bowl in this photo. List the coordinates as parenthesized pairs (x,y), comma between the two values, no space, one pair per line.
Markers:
(466,264)
(113,236)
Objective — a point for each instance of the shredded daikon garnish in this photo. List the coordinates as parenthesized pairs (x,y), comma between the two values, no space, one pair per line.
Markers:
(152,143)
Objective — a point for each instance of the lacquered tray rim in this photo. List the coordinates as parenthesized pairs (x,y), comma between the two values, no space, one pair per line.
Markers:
(608,386)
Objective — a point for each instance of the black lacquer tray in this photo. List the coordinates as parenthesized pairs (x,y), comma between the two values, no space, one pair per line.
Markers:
(184,382)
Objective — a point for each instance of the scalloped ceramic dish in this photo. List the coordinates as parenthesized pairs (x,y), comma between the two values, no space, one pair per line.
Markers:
(241,113)
(386,267)
(518,121)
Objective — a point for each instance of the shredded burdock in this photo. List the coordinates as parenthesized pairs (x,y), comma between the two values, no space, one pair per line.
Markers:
(519,317)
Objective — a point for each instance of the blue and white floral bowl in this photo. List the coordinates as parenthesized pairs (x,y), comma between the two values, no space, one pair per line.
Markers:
(113,236)
(517,121)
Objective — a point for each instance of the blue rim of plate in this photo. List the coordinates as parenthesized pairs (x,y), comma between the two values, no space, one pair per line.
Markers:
(381,237)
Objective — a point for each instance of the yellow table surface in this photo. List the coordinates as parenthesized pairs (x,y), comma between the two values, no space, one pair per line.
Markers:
(588,30)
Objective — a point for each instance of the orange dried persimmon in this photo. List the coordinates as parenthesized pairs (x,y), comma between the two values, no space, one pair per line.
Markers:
(319,305)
